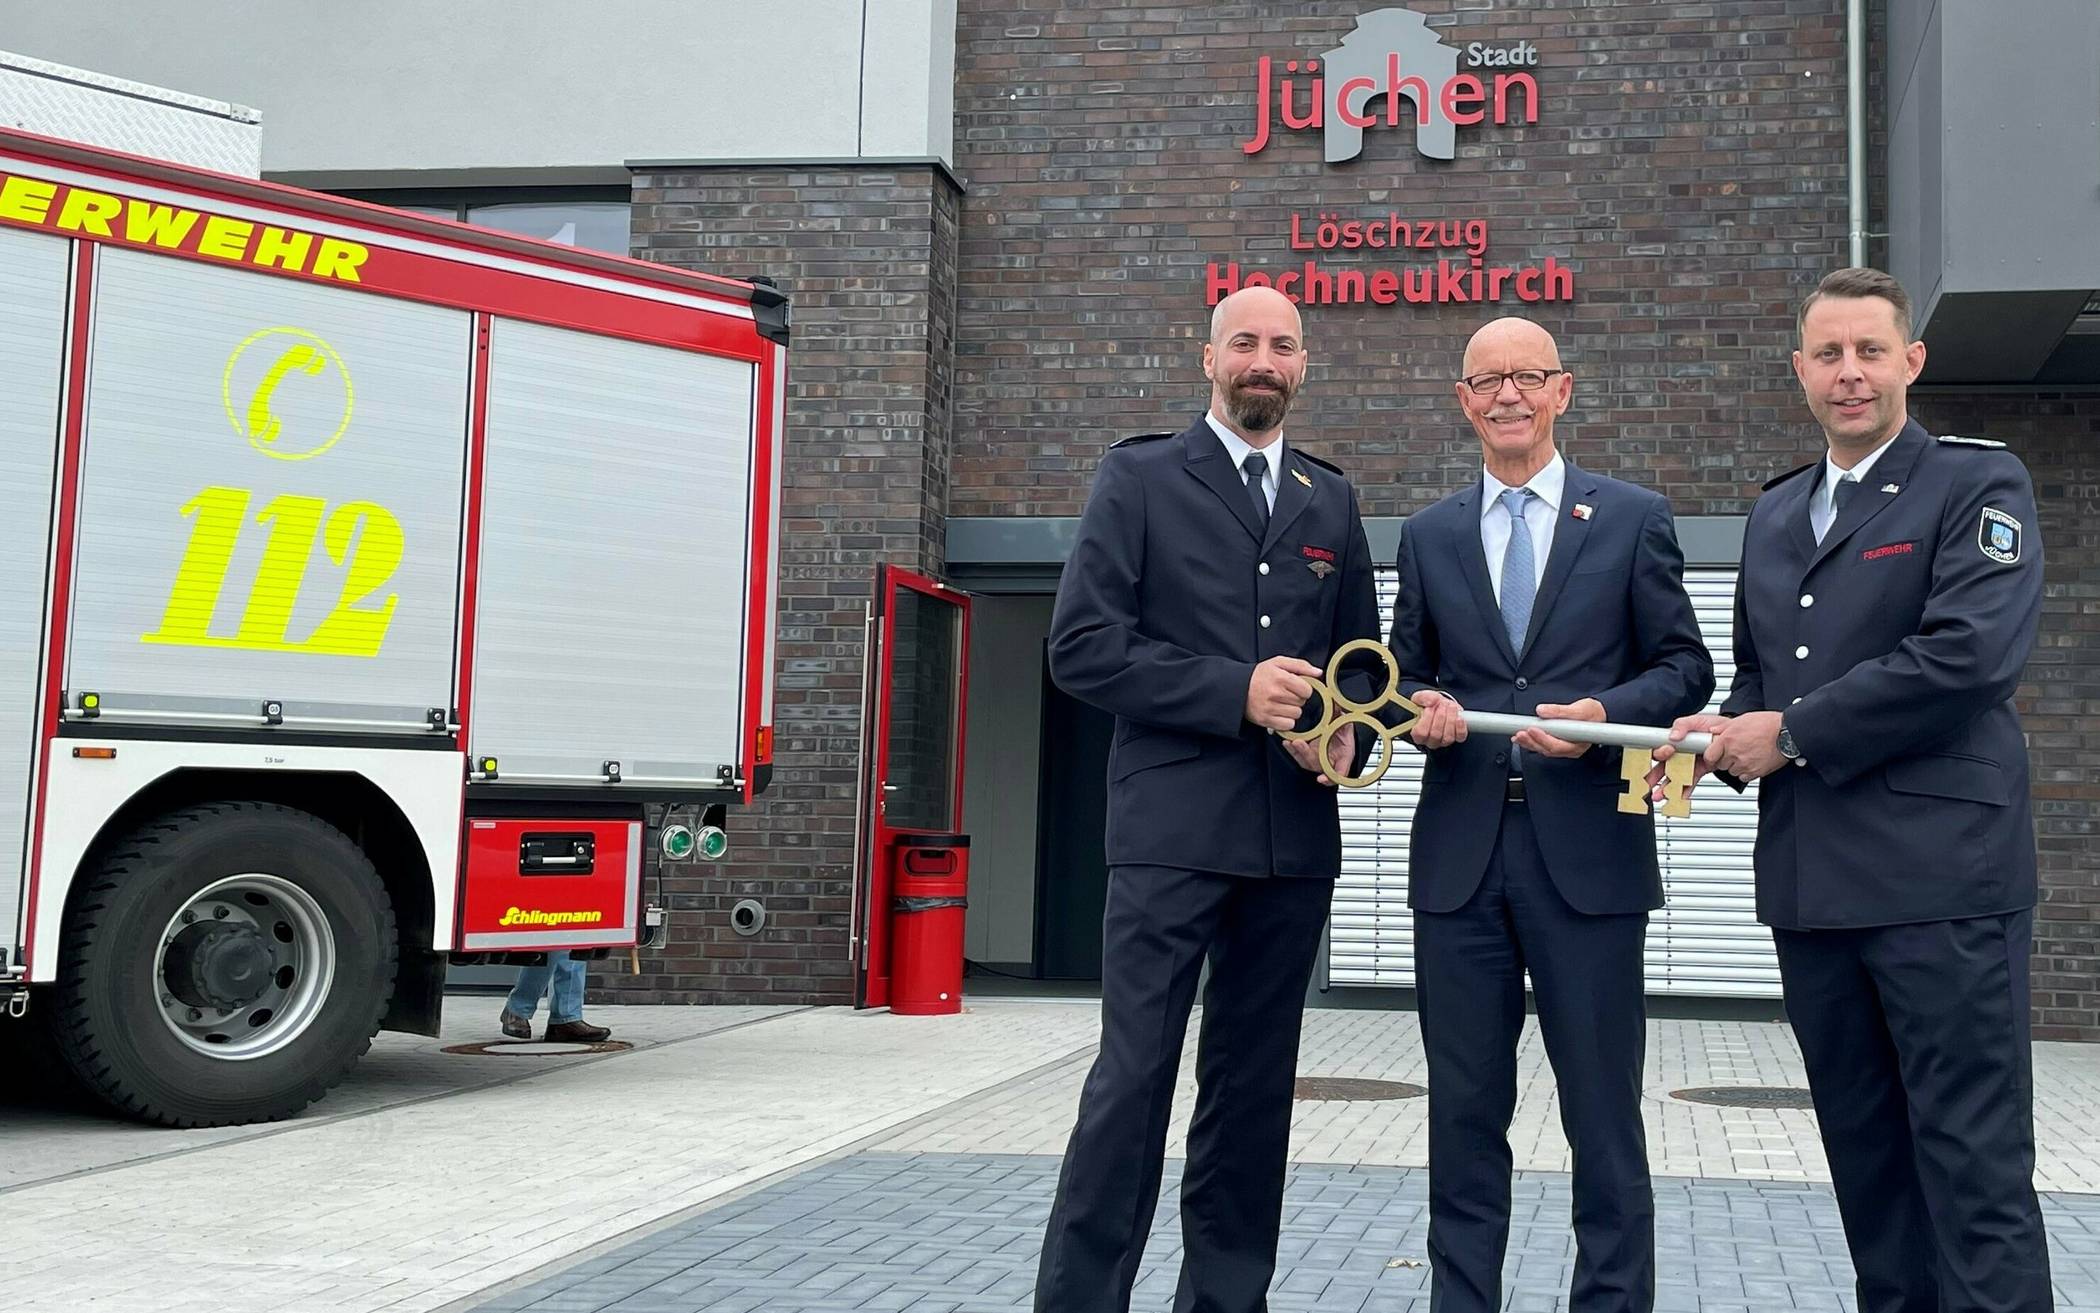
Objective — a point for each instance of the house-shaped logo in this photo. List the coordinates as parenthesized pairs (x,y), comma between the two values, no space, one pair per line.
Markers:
(1393,55)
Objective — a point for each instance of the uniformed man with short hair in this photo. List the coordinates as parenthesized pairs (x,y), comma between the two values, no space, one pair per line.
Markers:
(1888,601)
(1215,572)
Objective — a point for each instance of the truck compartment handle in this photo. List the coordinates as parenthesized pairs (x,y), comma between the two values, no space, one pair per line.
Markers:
(571,853)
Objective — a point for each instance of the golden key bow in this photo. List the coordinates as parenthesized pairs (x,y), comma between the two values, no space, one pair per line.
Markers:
(1639,741)
(1358,713)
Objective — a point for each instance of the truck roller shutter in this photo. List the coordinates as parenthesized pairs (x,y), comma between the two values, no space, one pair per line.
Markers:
(614,562)
(271,501)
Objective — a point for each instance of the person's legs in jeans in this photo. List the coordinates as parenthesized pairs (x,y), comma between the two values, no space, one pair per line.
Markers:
(567,1004)
(525,996)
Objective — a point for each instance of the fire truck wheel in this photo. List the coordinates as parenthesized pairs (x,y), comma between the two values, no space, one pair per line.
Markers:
(226,963)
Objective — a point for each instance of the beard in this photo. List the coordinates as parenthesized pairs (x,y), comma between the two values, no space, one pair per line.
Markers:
(1258,412)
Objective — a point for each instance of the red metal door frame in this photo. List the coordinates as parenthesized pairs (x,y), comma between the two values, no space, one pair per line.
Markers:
(871,942)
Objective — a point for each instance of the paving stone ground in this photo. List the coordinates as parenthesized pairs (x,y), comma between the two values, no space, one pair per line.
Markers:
(960,1233)
(432,1181)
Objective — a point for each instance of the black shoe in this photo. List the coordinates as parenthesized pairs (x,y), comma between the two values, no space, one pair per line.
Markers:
(575,1032)
(515,1026)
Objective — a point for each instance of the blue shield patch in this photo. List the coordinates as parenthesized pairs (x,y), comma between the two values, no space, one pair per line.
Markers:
(1998,536)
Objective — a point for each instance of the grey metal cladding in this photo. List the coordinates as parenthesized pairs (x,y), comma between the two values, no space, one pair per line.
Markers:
(615,557)
(33,271)
(313,440)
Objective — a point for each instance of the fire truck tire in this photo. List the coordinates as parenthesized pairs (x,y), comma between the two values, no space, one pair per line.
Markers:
(225,963)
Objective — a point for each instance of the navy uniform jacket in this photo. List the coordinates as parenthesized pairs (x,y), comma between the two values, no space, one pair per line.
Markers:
(1611,621)
(1894,649)
(1168,602)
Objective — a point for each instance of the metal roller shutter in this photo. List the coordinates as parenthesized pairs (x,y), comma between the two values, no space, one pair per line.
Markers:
(1705,941)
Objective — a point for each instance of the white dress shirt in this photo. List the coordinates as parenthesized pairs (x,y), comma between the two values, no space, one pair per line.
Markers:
(1236,449)
(1541,514)
(1822,504)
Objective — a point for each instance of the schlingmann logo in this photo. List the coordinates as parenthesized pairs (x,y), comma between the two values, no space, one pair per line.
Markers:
(534,916)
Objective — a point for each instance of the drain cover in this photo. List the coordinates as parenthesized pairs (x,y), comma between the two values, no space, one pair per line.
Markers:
(511,1048)
(1335,1089)
(1746,1096)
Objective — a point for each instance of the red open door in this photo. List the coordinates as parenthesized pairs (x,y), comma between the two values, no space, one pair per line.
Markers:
(911,748)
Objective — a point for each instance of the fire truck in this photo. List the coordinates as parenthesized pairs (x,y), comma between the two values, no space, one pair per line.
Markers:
(377,591)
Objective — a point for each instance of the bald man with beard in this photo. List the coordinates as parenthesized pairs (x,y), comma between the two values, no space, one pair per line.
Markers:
(1541,589)
(1215,572)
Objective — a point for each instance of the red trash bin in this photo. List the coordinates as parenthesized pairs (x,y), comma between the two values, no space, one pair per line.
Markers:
(929,888)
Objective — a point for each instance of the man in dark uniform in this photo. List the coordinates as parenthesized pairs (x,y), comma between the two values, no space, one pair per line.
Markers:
(1537,588)
(1888,601)
(1214,572)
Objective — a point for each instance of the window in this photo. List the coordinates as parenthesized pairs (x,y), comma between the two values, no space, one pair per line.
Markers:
(595,219)
(593,225)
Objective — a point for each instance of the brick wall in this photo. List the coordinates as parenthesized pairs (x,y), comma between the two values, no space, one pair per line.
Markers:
(972,354)
(1690,170)
(2059,438)
(861,253)
(1690,166)
(2058,435)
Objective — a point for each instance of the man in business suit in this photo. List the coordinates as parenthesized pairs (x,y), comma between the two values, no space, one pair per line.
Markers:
(1215,570)
(1888,601)
(1538,588)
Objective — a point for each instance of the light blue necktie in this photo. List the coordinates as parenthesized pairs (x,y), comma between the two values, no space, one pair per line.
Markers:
(1519,583)
(1518,587)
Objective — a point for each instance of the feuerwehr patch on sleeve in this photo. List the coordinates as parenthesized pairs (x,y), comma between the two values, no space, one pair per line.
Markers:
(1998,535)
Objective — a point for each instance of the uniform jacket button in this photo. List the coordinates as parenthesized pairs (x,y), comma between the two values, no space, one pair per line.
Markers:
(1263,567)
(1265,622)
(1801,652)
(1501,758)
(1522,683)
(1808,599)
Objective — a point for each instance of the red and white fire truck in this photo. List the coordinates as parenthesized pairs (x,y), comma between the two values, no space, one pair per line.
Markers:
(372,589)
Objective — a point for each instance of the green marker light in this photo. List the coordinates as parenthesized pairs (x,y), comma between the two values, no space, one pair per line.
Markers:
(677,842)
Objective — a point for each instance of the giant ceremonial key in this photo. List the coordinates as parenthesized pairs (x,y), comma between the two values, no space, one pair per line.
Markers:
(1640,741)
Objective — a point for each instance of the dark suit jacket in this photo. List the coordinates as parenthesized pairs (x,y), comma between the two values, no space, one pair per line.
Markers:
(1611,621)
(1894,648)
(1168,601)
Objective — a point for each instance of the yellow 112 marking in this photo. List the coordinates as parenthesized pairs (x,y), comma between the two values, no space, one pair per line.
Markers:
(220,514)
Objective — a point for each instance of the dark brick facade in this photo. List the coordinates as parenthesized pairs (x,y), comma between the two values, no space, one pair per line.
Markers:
(867,256)
(2059,438)
(1691,170)
(972,354)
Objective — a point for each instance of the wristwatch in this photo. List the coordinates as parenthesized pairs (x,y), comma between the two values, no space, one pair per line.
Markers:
(1787,747)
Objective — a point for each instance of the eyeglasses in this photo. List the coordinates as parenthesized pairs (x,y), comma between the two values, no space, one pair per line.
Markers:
(1527,380)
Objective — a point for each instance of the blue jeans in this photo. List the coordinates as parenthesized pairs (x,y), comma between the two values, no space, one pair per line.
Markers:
(566,974)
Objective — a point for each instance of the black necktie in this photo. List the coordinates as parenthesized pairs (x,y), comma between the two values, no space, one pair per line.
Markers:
(1841,494)
(1256,466)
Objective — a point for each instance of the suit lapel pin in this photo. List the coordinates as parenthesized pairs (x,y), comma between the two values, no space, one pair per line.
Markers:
(1299,475)
(1582,510)
(1890,487)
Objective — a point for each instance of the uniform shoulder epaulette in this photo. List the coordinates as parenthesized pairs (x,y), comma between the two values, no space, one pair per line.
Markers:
(1325,465)
(1137,438)
(1778,479)
(1988,444)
